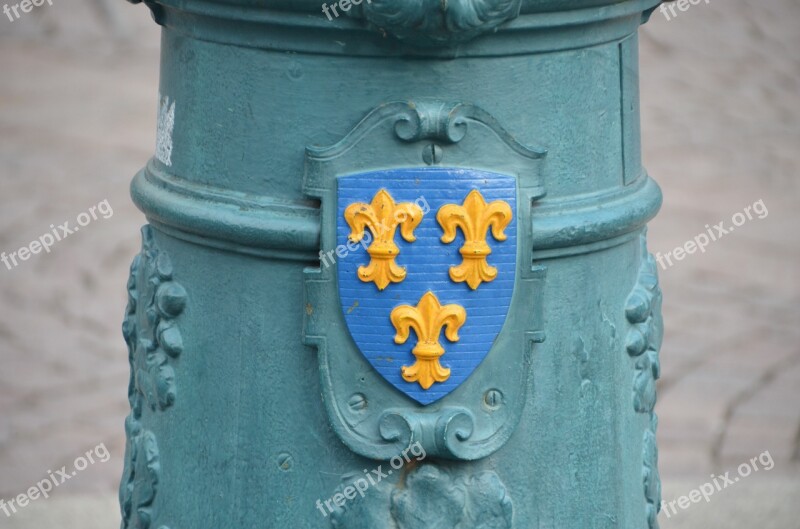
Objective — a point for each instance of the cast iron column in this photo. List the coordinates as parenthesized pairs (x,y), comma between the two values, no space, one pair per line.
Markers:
(394,274)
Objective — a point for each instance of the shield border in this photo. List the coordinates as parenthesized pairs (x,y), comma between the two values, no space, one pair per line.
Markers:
(369,415)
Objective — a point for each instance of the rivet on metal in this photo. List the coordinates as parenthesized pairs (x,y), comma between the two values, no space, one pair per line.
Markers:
(285,461)
(432,154)
(358,402)
(493,399)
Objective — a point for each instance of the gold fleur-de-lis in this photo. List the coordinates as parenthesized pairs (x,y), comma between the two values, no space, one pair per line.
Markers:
(427,320)
(474,217)
(382,217)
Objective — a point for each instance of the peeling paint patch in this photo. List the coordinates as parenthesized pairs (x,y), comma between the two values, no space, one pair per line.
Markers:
(166,122)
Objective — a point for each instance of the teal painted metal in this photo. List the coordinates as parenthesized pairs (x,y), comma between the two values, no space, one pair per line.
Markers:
(252,405)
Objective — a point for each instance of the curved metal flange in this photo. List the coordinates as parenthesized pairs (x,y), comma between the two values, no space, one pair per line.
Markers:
(594,222)
(227,219)
(419,120)
(291,230)
(412,122)
(449,433)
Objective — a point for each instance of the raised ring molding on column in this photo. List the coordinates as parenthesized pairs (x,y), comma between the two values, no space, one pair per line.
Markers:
(370,416)
(437,22)
(594,222)
(456,28)
(285,229)
(227,219)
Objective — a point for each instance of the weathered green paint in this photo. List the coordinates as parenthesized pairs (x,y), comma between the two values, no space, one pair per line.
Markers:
(240,409)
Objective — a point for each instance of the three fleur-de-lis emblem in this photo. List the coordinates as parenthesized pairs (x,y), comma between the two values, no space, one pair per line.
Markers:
(427,320)
(382,217)
(474,217)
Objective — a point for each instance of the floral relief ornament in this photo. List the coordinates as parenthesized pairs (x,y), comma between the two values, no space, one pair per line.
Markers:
(643,342)
(437,22)
(155,300)
(429,497)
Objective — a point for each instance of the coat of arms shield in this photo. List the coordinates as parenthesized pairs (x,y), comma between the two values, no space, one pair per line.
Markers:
(425,307)
(427,289)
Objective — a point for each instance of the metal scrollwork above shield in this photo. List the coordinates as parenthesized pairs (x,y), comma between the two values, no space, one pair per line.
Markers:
(425,307)
(437,22)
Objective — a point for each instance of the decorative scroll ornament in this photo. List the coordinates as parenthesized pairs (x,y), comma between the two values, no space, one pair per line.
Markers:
(140,477)
(474,217)
(643,312)
(437,22)
(150,329)
(382,217)
(427,320)
(650,475)
(155,301)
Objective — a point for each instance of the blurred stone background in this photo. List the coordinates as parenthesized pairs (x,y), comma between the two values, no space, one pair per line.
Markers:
(721,130)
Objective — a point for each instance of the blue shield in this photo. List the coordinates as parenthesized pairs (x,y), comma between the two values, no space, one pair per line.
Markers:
(424,260)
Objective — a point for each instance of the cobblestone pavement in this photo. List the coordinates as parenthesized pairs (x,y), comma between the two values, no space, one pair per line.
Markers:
(720,104)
